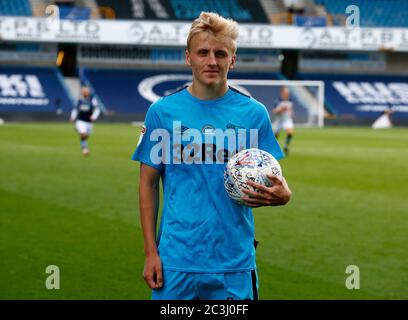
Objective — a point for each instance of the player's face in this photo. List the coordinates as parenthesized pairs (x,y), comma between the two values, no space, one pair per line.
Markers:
(210,60)
(85,92)
(285,94)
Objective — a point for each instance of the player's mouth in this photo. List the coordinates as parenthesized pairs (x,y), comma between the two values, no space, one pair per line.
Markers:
(211,72)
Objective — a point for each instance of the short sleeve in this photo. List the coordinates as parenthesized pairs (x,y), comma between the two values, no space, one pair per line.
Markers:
(145,146)
(94,102)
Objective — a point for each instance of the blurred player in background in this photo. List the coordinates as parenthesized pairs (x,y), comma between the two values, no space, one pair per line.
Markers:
(384,121)
(205,247)
(84,114)
(283,117)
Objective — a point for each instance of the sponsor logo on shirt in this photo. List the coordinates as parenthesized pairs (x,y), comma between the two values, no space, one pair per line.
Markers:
(234,127)
(208,145)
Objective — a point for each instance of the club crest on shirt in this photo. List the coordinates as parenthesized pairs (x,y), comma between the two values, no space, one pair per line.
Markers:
(208,129)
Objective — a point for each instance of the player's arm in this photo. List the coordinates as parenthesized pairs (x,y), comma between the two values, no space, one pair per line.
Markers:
(277,195)
(291,111)
(95,114)
(149,205)
(74,114)
(97,109)
(278,109)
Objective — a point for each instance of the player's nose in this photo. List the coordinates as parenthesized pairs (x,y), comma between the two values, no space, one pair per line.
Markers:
(211,59)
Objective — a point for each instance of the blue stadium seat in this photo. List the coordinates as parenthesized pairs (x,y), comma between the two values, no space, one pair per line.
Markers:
(239,10)
(189,10)
(15,8)
(75,13)
(373,13)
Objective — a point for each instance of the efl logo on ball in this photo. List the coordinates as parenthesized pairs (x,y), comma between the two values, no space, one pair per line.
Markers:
(249,165)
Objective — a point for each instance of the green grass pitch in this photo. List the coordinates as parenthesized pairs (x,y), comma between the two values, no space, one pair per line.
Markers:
(349,207)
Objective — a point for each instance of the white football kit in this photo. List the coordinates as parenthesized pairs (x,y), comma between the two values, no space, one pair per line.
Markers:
(283,120)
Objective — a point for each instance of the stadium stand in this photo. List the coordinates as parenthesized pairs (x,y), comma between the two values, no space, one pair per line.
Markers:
(373,13)
(74,13)
(138,9)
(240,10)
(32,54)
(15,8)
(68,9)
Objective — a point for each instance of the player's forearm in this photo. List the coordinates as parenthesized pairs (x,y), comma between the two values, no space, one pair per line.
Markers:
(286,193)
(74,114)
(95,114)
(149,203)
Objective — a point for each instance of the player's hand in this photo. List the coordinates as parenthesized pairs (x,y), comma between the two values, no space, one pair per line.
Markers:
(152,273)
(277,195)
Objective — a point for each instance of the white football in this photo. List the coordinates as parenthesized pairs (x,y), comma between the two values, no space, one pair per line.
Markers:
(249,165)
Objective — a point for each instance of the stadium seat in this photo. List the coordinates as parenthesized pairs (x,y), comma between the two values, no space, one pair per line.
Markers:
(239,10)
(15,8)
(373,13)
(74,12)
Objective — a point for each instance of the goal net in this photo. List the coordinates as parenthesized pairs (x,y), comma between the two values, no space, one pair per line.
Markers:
(307,97)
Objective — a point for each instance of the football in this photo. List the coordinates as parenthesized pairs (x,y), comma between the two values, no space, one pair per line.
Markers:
(249,165)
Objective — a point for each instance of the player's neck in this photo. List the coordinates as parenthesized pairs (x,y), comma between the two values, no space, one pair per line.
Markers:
(207,92)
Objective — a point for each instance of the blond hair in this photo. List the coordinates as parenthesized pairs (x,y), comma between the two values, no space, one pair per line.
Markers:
(212,23)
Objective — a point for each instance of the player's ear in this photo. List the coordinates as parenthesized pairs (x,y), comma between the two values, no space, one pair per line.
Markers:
(188,57)
(233,60)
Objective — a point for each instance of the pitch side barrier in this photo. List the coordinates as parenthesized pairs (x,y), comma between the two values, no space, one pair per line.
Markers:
(361,99)
(33,93)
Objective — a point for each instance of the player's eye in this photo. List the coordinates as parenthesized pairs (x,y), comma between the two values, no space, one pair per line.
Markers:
(203,52)
(221,54)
